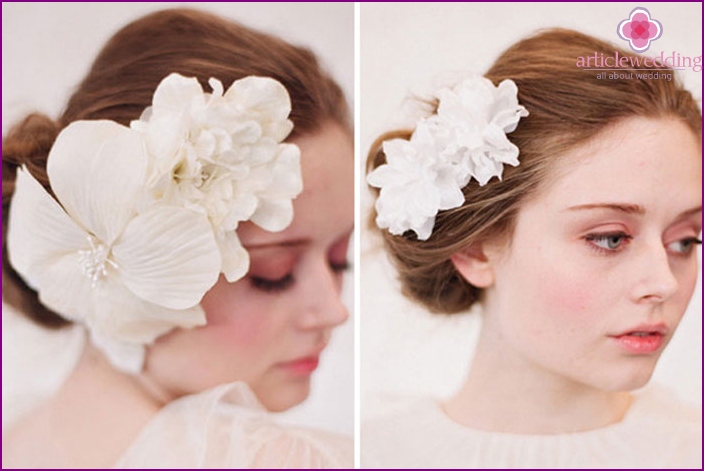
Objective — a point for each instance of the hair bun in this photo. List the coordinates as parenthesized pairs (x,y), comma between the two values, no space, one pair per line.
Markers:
(27,143)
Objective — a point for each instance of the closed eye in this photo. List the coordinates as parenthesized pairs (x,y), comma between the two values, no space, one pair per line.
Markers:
(271,286)
(340,267)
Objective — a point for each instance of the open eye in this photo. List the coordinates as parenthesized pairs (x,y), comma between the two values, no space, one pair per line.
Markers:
(610,242)
(683,246)
(271,286)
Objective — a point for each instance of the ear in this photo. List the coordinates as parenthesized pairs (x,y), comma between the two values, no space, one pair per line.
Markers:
(474,266)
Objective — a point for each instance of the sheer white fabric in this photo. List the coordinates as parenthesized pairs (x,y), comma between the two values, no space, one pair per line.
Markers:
(225,427)
(657,432)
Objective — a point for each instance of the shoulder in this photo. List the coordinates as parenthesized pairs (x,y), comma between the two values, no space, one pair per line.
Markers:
(226,427)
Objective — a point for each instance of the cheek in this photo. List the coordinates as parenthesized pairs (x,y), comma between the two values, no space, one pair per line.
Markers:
(568,291)
(687,279)
(236,322)
(244,332)
(552,296)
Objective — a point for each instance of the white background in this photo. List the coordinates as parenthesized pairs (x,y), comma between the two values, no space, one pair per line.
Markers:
(403,48)
(48,48)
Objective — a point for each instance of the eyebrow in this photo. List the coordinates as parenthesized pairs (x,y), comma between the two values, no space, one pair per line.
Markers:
(622,207)
(291,243)
(689,212)
(630,209)
(283,243)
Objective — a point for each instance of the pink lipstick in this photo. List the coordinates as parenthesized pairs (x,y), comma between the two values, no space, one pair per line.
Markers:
(301,366)
(643,339)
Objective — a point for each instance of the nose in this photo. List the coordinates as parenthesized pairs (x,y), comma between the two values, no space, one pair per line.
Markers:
(656,281)
(323,307)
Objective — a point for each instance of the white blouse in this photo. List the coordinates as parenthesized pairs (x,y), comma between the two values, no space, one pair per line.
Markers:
(657,432)
(226,427)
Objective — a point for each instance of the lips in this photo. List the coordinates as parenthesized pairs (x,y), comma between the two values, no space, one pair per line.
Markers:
(301,366)
(642,339)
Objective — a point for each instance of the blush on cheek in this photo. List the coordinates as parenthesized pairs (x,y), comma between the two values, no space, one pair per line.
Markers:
(231,323)
(243,333)
(566,294)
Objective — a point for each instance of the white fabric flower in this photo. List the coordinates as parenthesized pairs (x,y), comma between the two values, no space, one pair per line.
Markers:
(465,139)
(222,153)
(128,276)
(413,185)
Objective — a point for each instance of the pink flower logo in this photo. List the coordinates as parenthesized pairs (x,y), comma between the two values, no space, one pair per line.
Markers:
(639,29)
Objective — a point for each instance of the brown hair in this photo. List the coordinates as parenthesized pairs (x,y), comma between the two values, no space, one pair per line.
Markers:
(121,83)
(568,106)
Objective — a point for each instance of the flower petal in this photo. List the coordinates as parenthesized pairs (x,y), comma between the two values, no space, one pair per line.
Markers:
(64,288)
(97,169)
(424,230)
(123,323)
(164,137)
(40,232)
(168,256)
(264,95)
(235,259)
(267,99)
(275,210)
(273,214)
(127,357)
(122,316)
(174,94)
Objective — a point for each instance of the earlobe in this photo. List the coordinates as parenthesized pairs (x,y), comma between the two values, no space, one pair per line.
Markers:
(474,266)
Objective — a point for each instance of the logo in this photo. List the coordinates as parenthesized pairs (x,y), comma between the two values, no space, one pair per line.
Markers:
(639,29)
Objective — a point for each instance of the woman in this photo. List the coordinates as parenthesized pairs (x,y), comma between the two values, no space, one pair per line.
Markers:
(183,172)
(509,195)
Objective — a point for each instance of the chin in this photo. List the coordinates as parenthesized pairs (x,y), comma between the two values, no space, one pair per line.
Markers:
(629,379)
(283,396)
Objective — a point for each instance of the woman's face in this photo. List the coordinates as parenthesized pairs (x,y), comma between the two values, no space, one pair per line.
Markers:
(602,263)
(270,328)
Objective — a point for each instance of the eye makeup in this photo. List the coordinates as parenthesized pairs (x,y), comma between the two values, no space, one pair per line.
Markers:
(608,243)
(682,238)
(338,255)
(270,286)
(271,268)
(683,247)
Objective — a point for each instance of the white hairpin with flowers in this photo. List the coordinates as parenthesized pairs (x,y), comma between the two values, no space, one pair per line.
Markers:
(144,217)
(465,139)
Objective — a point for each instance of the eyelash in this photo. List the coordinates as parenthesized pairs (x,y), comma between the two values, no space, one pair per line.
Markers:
(594,238)
(273,286)
(692,241)
(340,267)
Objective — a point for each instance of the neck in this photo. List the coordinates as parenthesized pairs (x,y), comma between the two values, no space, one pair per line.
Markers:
(95,373)
(505,392)
(94,395)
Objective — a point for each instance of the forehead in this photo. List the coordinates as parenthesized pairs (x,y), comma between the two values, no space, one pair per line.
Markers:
(638,160)
(325,207)
(327,161)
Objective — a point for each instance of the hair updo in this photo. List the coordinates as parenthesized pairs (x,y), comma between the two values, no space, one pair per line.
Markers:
(121,83)
(568,106)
